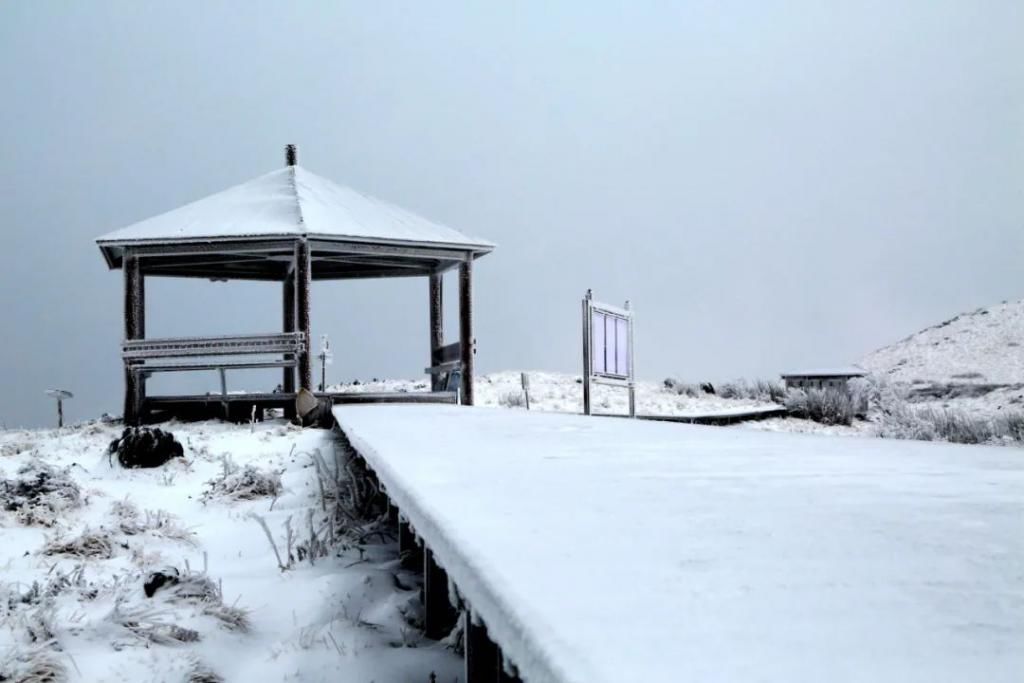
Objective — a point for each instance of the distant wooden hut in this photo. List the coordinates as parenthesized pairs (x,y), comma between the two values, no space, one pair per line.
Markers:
(290,226)
(822,378)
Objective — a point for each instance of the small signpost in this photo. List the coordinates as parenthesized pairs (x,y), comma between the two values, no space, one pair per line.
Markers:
(525,380)
(60,395)
(607,349)
(326,358)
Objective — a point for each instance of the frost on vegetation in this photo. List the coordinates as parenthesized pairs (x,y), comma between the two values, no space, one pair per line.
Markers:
(758,390)
(948,424)
(512,399)
(827,406)
(39,494)
(131,522)
(12,448)
(88,544)
(242,483)
(197,588)
(39,664)
(201,673)
(351,512)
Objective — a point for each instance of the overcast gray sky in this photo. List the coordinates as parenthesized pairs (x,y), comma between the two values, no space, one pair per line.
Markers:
(772,184)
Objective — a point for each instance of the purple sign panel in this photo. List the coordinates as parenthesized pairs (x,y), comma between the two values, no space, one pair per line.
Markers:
(609,344)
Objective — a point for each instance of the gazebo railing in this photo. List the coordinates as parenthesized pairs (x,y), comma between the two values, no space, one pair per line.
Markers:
(182,347)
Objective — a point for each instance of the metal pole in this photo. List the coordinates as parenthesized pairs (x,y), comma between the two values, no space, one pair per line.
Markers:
(60,413)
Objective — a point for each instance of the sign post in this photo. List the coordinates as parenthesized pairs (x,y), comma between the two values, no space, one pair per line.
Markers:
(607,349)
(326,358)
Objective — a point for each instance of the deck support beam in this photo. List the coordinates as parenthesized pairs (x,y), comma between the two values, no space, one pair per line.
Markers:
(436,292)
(466,328)
(439,617)
(483,658)
(303,282)
(134,328)
(409,550)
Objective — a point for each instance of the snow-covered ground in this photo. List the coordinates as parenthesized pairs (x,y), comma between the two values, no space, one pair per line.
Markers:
(343,619)
(597,549)
(562,393)
(984,346)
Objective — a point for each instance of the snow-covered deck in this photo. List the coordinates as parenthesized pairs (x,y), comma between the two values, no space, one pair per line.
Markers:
(599,549)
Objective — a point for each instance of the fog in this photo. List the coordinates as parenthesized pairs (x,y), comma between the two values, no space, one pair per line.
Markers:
(772,185)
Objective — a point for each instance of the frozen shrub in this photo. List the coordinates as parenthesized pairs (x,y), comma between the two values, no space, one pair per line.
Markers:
(947,424)
(144,447)
(1011,426)
(242,483)
(827,406)
(512,399)
(682,388)
(39,494)
(737,389)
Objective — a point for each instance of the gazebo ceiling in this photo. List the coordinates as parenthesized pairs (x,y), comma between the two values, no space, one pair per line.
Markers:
(249,232)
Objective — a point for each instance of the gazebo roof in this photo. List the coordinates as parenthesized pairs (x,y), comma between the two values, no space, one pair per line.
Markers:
(266,214)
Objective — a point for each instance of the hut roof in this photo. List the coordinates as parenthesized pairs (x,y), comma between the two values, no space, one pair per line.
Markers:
(288,203)
(848,371)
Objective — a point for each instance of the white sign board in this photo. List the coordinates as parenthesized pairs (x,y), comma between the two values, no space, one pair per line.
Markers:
(607,348)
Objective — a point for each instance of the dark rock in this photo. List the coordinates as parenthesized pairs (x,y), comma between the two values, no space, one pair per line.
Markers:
(707,387)
(145,447)
(157,580)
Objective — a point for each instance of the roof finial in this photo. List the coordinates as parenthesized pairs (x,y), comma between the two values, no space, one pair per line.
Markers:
(291,155)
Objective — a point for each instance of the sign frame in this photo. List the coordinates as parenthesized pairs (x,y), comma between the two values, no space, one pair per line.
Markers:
(598,373)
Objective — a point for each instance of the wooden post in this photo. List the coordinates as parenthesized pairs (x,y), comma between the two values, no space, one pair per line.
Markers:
(134,328)
(439,616)
(436,292)
(466,327)
(409,550)
(483,659)
(288,325)
(303,281)
(587,317)
(632,372)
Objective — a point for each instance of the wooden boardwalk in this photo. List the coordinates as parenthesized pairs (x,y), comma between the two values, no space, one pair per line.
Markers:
(591,550)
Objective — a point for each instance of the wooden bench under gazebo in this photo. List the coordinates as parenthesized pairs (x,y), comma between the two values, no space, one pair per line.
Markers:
(293,227)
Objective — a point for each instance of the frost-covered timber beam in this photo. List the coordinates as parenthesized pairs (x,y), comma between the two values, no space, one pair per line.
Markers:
(211,246)
(134,328)
(466,327)
(303,282)
(436,296)
(399,250)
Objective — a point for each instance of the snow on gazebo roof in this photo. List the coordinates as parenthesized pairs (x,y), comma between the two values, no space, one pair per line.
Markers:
(290,202)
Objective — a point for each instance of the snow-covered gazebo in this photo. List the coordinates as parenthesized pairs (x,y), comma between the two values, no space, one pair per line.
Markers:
(290,226)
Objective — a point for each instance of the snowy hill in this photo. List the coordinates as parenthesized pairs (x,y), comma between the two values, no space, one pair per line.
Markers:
(985,346)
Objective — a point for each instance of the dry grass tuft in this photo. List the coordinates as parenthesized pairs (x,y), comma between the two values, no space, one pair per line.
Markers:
(242,483)
(36,665)
(131,522)
(89,544)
